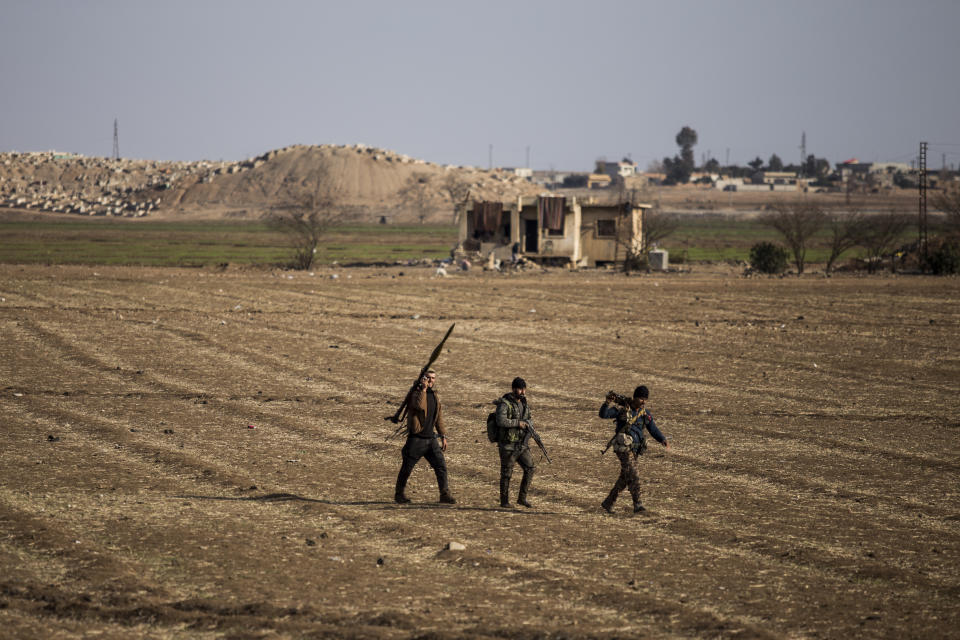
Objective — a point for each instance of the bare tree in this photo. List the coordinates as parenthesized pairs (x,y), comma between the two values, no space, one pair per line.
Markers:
(415,195)
(845,228)
(654,227)
(880,234)
(949,203)
(657,225)
(458,190)
(305,220)
(797,222)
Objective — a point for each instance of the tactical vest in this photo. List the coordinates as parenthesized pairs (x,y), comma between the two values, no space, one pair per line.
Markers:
(630,431)
(515,411)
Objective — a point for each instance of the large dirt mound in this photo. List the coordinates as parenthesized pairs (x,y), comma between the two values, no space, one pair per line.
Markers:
(362,181)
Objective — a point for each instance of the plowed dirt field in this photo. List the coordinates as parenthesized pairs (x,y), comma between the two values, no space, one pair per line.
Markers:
(191,453)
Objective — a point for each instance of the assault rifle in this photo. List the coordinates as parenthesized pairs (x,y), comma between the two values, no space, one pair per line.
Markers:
(401,414)
(531,433)
(619,400)
(609,444)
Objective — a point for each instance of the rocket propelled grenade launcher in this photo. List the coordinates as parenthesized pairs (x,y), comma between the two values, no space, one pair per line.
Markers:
(401,414)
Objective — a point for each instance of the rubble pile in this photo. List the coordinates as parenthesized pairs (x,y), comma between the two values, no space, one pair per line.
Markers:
(69,183)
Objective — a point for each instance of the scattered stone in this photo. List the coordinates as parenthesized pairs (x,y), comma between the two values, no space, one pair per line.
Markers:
(168,431)
(53,438)
(455,546)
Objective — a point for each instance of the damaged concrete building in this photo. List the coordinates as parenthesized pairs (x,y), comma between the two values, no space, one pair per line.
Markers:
(554,230)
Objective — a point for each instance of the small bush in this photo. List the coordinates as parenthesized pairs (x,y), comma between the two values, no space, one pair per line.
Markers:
(944,259)
(767,257)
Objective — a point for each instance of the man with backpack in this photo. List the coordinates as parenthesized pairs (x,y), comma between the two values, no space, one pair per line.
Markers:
(513,420)
(629,441)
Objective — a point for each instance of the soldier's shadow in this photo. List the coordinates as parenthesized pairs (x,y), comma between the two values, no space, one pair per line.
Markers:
(383,504)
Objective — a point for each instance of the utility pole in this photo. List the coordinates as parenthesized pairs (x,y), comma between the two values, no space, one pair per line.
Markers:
(116,141)
(528,157)
(803,153)
(490,157)
(922,217)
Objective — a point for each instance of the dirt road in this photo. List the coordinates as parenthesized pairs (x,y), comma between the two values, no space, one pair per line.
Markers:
(203,454)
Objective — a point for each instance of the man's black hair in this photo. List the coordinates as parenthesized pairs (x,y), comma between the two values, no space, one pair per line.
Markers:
(518,383)
(641,392)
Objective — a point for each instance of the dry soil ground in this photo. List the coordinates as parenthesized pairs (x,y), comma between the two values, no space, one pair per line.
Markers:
(193,453)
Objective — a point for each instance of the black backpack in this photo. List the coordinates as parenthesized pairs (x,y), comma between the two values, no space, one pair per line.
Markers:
(493,431)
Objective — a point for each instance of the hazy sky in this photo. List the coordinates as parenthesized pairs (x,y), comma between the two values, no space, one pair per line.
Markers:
(444,80)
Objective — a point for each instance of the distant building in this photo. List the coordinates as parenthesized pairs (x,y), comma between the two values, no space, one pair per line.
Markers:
(775,177)
(616,170)
(872,175)
(522,172)
(549,179)
(599,181)
(548,229)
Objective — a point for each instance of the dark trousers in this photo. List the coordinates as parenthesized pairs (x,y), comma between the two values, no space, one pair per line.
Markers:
(508,458)
(416,448)
(628,479)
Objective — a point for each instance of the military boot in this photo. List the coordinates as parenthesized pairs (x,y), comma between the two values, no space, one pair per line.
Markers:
(607,505)
(399,494)
(638,508)
(446,498)
(524,486)
(505,492)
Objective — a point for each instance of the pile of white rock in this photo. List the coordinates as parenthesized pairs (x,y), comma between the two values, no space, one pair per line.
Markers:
(70,183)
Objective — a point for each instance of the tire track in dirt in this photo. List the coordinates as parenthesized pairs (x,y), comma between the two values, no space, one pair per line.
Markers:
(685,519)
(195,337)
(347,442)
(560,497)
(545,353)
(142,452)
(925,461)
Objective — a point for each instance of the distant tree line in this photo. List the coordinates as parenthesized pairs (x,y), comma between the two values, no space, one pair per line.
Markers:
(881,236)
(680,168)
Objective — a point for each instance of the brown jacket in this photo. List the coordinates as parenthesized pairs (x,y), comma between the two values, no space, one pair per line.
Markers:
(417,412)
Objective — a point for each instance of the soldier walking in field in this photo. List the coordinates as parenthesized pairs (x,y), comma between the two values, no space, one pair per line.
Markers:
(629,441)
(426,438)
(513,420)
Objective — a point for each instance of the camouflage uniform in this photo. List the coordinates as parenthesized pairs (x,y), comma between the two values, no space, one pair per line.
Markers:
(629,443)
(511,410)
